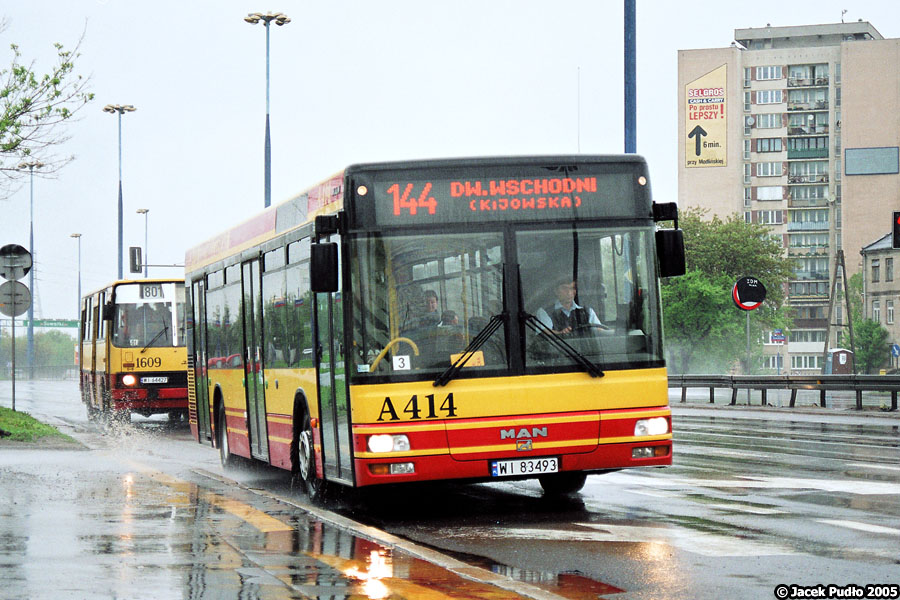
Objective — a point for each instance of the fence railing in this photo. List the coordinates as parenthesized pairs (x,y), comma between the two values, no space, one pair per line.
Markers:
(859,384)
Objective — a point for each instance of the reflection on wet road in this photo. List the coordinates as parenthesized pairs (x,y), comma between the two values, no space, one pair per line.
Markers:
(127,531)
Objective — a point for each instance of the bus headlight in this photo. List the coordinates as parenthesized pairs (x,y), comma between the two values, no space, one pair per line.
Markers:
(384,442)
(129,379)
(654,426)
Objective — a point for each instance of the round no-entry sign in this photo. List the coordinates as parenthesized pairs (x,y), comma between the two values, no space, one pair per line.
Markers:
(748,293)
(15,262)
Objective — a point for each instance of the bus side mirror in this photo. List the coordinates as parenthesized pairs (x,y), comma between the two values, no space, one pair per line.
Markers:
(108,311)
(323,267)
(670,252)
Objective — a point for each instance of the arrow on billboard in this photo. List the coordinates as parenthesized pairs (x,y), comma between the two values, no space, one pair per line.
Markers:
(698,133)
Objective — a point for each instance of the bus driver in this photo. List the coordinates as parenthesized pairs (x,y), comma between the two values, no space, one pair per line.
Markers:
(566,316)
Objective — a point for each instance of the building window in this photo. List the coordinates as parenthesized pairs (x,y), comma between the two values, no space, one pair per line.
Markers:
(769,169)
(769,145)
(747,218)
(769,96)
(747,96)
(768,73)
(805,361)
(768,121)
(876,311)
(889,308)
(889,269)
(769,217)
(746,149)
(770,192)
(876,270)
(748,170)
(747,76)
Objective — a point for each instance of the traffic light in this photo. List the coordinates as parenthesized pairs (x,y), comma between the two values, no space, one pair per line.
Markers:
(895,231)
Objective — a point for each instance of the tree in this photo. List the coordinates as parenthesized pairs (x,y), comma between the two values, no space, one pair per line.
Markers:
(870,339)
(699,315)
(872,348)
(32,109)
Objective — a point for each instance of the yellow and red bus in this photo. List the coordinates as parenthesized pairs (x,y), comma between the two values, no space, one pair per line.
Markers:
(311,349)
(133,356)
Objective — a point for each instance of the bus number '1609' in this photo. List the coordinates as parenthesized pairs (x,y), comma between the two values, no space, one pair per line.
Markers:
(143,363)
(447,408)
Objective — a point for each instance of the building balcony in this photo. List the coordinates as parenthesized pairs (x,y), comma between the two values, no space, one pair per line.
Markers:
(808,153)
(808,130)
(807,81)
(808,226)
(810,276)
(815,178)
(816,105)
(807,202)
(798,251)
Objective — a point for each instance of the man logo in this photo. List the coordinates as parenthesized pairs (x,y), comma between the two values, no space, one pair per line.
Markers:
(512,434)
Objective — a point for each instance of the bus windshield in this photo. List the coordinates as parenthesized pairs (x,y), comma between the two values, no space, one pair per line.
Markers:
(421,300)
(148,315)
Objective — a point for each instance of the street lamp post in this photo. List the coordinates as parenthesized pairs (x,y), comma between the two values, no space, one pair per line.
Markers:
(145,212)
(77,236)
(279,19)
(120,109)
(31,166)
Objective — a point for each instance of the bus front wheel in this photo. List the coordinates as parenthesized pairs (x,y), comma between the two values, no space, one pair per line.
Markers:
(228,460)
(563,484)
(305,463)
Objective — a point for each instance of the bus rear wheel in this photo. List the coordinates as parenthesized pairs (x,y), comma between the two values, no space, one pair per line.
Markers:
(563,484)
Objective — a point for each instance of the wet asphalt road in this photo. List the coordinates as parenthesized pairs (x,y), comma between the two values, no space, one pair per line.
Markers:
(756,498)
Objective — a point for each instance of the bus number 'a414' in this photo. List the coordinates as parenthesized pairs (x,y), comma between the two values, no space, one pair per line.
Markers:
(414,408)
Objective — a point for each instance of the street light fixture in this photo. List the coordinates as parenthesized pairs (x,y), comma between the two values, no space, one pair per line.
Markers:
(31,166)
(145,212)
(279,19)
(77,236)
(120,109)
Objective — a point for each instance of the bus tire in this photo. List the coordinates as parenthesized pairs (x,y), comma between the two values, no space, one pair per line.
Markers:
(563,484)
(303,461)
(229,461)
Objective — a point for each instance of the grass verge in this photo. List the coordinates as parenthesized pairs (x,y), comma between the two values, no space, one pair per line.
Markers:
(22,427)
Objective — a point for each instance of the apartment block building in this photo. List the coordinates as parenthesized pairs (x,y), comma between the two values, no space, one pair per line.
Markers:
(797,128)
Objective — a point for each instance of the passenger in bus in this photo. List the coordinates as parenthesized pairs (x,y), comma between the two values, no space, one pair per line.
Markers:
(566,316)
(448,319)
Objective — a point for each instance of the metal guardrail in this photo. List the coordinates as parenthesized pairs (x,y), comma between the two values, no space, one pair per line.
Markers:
(795,383)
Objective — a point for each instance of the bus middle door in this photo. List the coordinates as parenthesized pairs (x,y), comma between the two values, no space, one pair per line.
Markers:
(251,309)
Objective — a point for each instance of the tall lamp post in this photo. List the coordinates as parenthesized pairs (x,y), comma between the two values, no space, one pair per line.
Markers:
(120,109)
(31,166)
(77,236)
(145,211)
(279,19)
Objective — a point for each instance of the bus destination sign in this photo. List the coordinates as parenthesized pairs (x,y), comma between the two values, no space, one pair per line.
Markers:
(412,202)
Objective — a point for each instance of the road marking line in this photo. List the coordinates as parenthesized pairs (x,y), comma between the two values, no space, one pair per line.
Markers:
(861,526)
(874,466)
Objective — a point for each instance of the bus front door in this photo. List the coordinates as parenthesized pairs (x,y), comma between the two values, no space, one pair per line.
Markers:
(251,308)
(334,410)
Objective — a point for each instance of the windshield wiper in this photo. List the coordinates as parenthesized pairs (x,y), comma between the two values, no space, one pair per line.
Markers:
(562,345)
(477,342)
(165,330)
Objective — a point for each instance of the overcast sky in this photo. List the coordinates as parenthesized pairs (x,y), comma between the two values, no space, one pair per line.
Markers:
(351,81)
